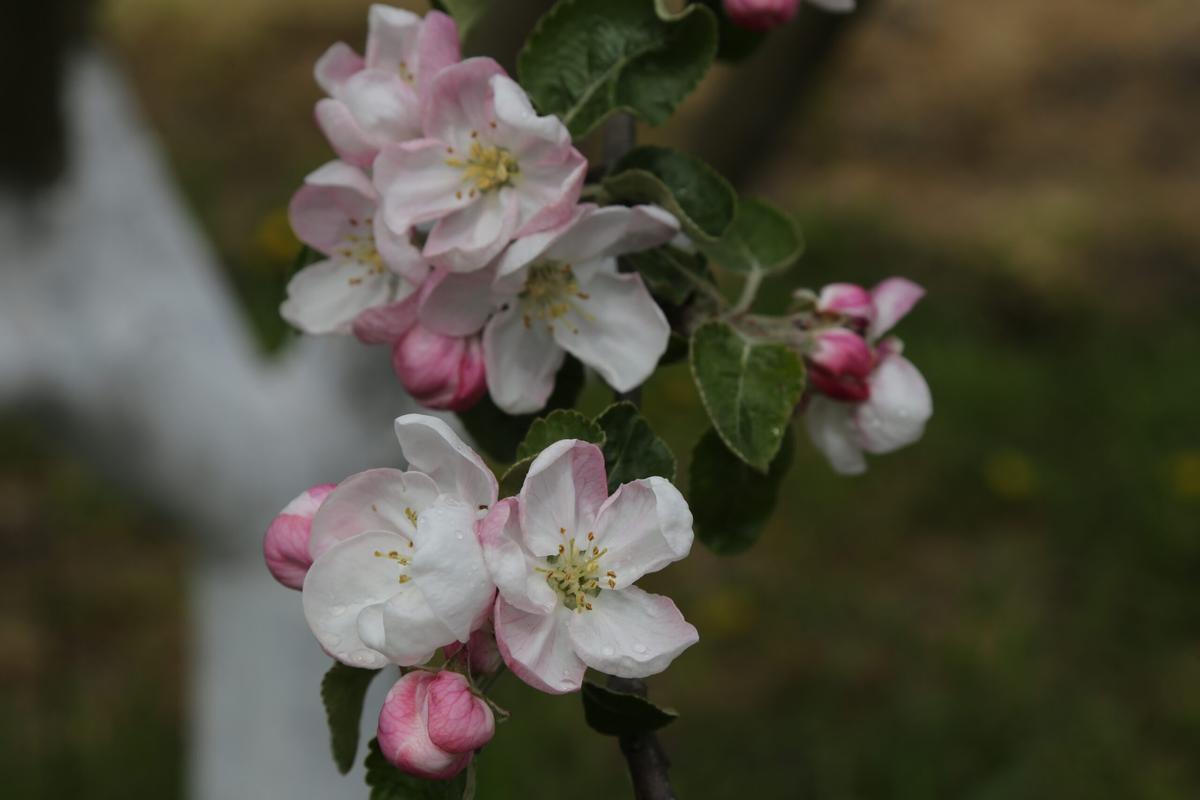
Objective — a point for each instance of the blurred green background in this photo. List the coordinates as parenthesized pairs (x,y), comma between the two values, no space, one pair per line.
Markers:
(1010,609)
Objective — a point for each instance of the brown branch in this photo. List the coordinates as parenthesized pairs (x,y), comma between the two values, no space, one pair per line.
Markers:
(648,762)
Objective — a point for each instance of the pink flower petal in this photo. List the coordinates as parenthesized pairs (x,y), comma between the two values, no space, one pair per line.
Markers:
(459,722)
(336,66)
(537,648)
(285,546)
(893,299)
(561,497)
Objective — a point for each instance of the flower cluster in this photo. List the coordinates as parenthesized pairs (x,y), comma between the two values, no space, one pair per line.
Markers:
(397,566)
(867,396)
(450,228)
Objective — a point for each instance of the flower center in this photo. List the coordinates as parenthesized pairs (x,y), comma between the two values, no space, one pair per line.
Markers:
(402,560)
(575,573)
(488,167)
(550,293)
(358,250)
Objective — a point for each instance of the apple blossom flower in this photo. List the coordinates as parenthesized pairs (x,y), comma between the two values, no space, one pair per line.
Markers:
(488,169)
(365,264)
(432,723)
(559,292)
(285,546)
(377,99)
(397,569)
(565,557)
(439,371)
(868,407)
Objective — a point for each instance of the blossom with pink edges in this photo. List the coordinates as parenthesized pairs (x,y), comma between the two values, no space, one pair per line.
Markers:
(558,292)
(439,371)
(432,723)
(875,410)
(377,99)
(397,569)
(565,555)
(285,546)
(365,264)
(488,168)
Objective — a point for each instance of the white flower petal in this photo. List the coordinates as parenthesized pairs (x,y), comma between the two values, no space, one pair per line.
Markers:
(375,500)
(413,632)
(469,238)
(325,297)
(830,426)
(416,184)
(447,565)
(619,330)
(392,37)
(432,447)
(340,585)
(613,231)
(899,406)
(562,494)
(385,107)
(460,102)
(644,526)
(459,303)
(521,362)
(537,648)
(630,633)
(510,565)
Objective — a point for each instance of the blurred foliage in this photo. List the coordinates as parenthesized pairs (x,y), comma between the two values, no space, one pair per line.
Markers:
(1007,610)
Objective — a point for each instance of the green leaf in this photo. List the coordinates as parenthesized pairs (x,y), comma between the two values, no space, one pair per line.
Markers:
(342,691)
(731,503)
(499,434)
(749,388)
(736,42)
(622,714)
(587,59)
(389,783)
(514,477)
(632,449)
(694,192)
(558,425)
(467,13)
(669,273)
(761,239)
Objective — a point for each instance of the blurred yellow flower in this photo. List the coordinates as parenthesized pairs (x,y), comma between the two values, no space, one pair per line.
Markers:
(1010,474)
(1183,474)
(274,239)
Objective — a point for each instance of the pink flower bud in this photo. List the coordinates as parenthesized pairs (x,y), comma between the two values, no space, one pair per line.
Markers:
(848,300)
(285,547)
(761,15)
(840,364)
(445,372)
(432,723)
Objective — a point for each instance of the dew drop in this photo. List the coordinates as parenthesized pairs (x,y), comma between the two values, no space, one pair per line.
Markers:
(361,656)
(639,648)
(337,611)
(608,651)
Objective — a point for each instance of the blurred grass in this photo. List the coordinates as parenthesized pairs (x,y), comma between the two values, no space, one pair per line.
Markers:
(1007,610)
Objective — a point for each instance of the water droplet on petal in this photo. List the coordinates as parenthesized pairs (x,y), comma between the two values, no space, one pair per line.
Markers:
(361,657)
(337,611)
(608,651)
(639,648)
